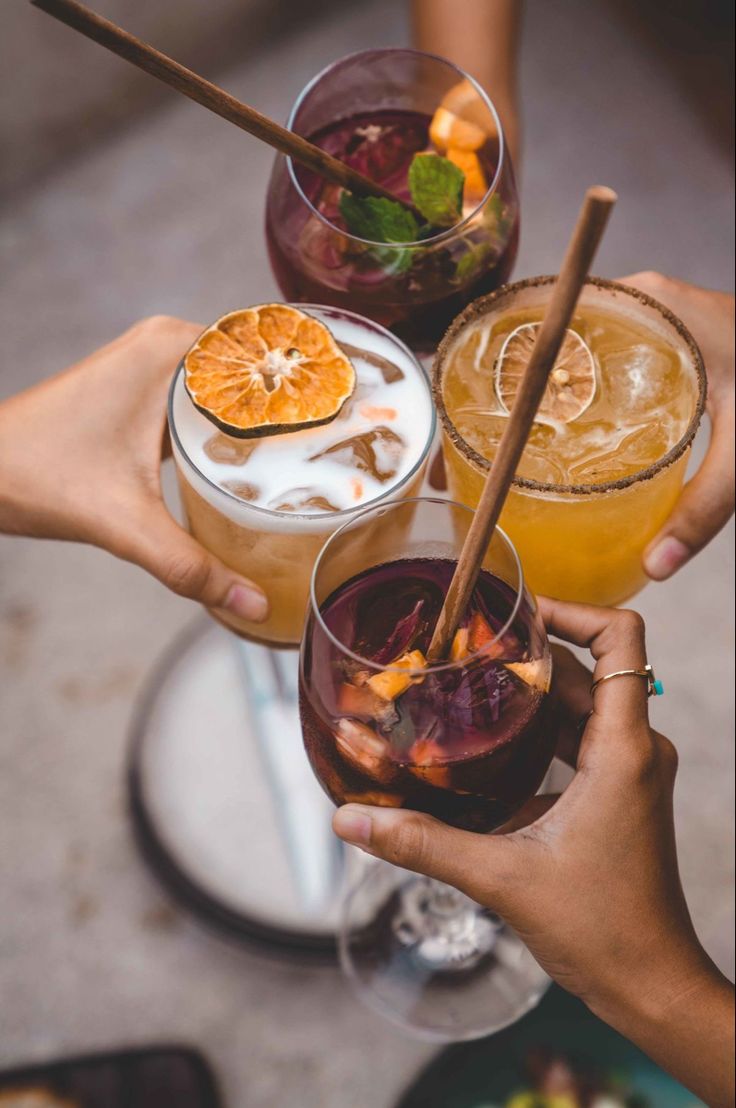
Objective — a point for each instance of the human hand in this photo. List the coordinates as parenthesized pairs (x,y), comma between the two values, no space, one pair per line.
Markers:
(591,885)
(80,459)
(707,501)
(484,41)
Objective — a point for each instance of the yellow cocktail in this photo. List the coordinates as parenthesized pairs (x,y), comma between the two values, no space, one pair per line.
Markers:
(606,460)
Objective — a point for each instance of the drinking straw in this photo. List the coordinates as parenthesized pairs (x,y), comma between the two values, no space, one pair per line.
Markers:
(184,80)
(581,250)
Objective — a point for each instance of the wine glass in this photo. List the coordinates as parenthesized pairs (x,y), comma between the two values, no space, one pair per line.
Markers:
(468,740)
(375,110)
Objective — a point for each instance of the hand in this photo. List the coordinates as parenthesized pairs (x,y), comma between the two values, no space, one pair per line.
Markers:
(591,885)
(80,459)
(483,41)
(707,501)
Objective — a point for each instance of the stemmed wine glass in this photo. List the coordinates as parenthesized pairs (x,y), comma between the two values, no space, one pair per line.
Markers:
(467,740)
(376,110)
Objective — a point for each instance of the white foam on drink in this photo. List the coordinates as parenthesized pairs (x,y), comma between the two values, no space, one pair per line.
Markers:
(279,469)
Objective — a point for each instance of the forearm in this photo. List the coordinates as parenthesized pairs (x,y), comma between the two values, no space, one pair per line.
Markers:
(483,40)
(685,1022)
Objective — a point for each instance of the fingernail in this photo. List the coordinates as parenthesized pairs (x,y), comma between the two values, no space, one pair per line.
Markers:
(353,825)
(247,603)
(666,557)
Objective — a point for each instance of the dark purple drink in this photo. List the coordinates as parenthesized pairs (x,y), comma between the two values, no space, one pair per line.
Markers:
(414,290)
(468,742)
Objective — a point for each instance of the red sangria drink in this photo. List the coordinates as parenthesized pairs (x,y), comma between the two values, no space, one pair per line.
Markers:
(417,125)
(468,740)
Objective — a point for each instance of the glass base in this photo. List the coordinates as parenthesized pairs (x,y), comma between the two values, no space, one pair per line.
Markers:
(225,806)
(429,959)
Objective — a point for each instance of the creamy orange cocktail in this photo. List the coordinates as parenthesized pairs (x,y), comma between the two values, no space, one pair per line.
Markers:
(266,502)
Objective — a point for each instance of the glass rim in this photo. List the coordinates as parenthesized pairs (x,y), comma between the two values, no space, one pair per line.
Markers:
(312,517)
(441,667)
(449,232)
(484,305)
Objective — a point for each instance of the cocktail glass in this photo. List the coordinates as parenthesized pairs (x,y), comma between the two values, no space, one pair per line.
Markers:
(277,548)
(468,740)
(373,109)
(580,540)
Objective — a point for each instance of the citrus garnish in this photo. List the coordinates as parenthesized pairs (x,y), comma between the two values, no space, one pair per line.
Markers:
(266,370)
(571,384)
(461,120)
(537,673)
(390,683)
(475,186)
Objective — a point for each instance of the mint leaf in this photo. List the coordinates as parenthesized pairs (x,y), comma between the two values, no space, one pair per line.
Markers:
(436,188)
(496,216)
(378,220)
(472,261)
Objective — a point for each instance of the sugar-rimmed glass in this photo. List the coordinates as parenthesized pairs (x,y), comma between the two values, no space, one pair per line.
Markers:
(580,542)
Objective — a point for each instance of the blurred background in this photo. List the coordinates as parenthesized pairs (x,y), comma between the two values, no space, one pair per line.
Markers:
(121,201)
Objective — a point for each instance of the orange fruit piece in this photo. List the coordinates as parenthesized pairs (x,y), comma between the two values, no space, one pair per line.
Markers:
(571,385)
(481,636)
(475,186)
(266,370)
(537,673)
(392,683)
(425,754)
(461,120)
(459,648)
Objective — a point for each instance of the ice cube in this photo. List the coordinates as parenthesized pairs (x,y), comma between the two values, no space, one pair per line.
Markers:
(228,450)
(244,490)
(637,380)
(388,370)
(623,451)
(539,464)
(377,452)
(305,499)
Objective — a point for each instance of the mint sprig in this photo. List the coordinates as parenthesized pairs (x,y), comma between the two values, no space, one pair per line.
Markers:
(471,263)
(436,186)
(379,220)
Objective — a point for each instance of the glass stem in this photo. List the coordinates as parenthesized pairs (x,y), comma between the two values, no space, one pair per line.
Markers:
(443,901)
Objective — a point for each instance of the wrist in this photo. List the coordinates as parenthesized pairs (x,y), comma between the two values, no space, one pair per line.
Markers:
(680,1013)
(647,995)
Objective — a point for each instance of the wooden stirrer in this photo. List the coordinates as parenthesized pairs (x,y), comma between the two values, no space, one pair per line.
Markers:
(210,96)
(581,250)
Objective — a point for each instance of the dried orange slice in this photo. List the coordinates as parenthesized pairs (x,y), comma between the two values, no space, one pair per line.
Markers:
(266,370)
(571,385)
(461,120)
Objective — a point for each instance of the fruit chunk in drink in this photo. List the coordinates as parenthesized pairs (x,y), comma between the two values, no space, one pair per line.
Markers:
(469,741)
(605,461)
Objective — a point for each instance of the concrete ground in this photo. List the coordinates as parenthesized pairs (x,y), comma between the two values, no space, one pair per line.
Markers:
(167,217)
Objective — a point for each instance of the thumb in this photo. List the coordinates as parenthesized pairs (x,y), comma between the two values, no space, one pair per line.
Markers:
(705,505)
(175,558)
(479,865)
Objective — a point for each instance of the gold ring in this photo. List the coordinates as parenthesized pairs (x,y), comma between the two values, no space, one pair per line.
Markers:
(654,687)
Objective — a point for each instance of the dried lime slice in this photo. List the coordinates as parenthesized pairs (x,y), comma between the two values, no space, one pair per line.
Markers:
(572,383)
